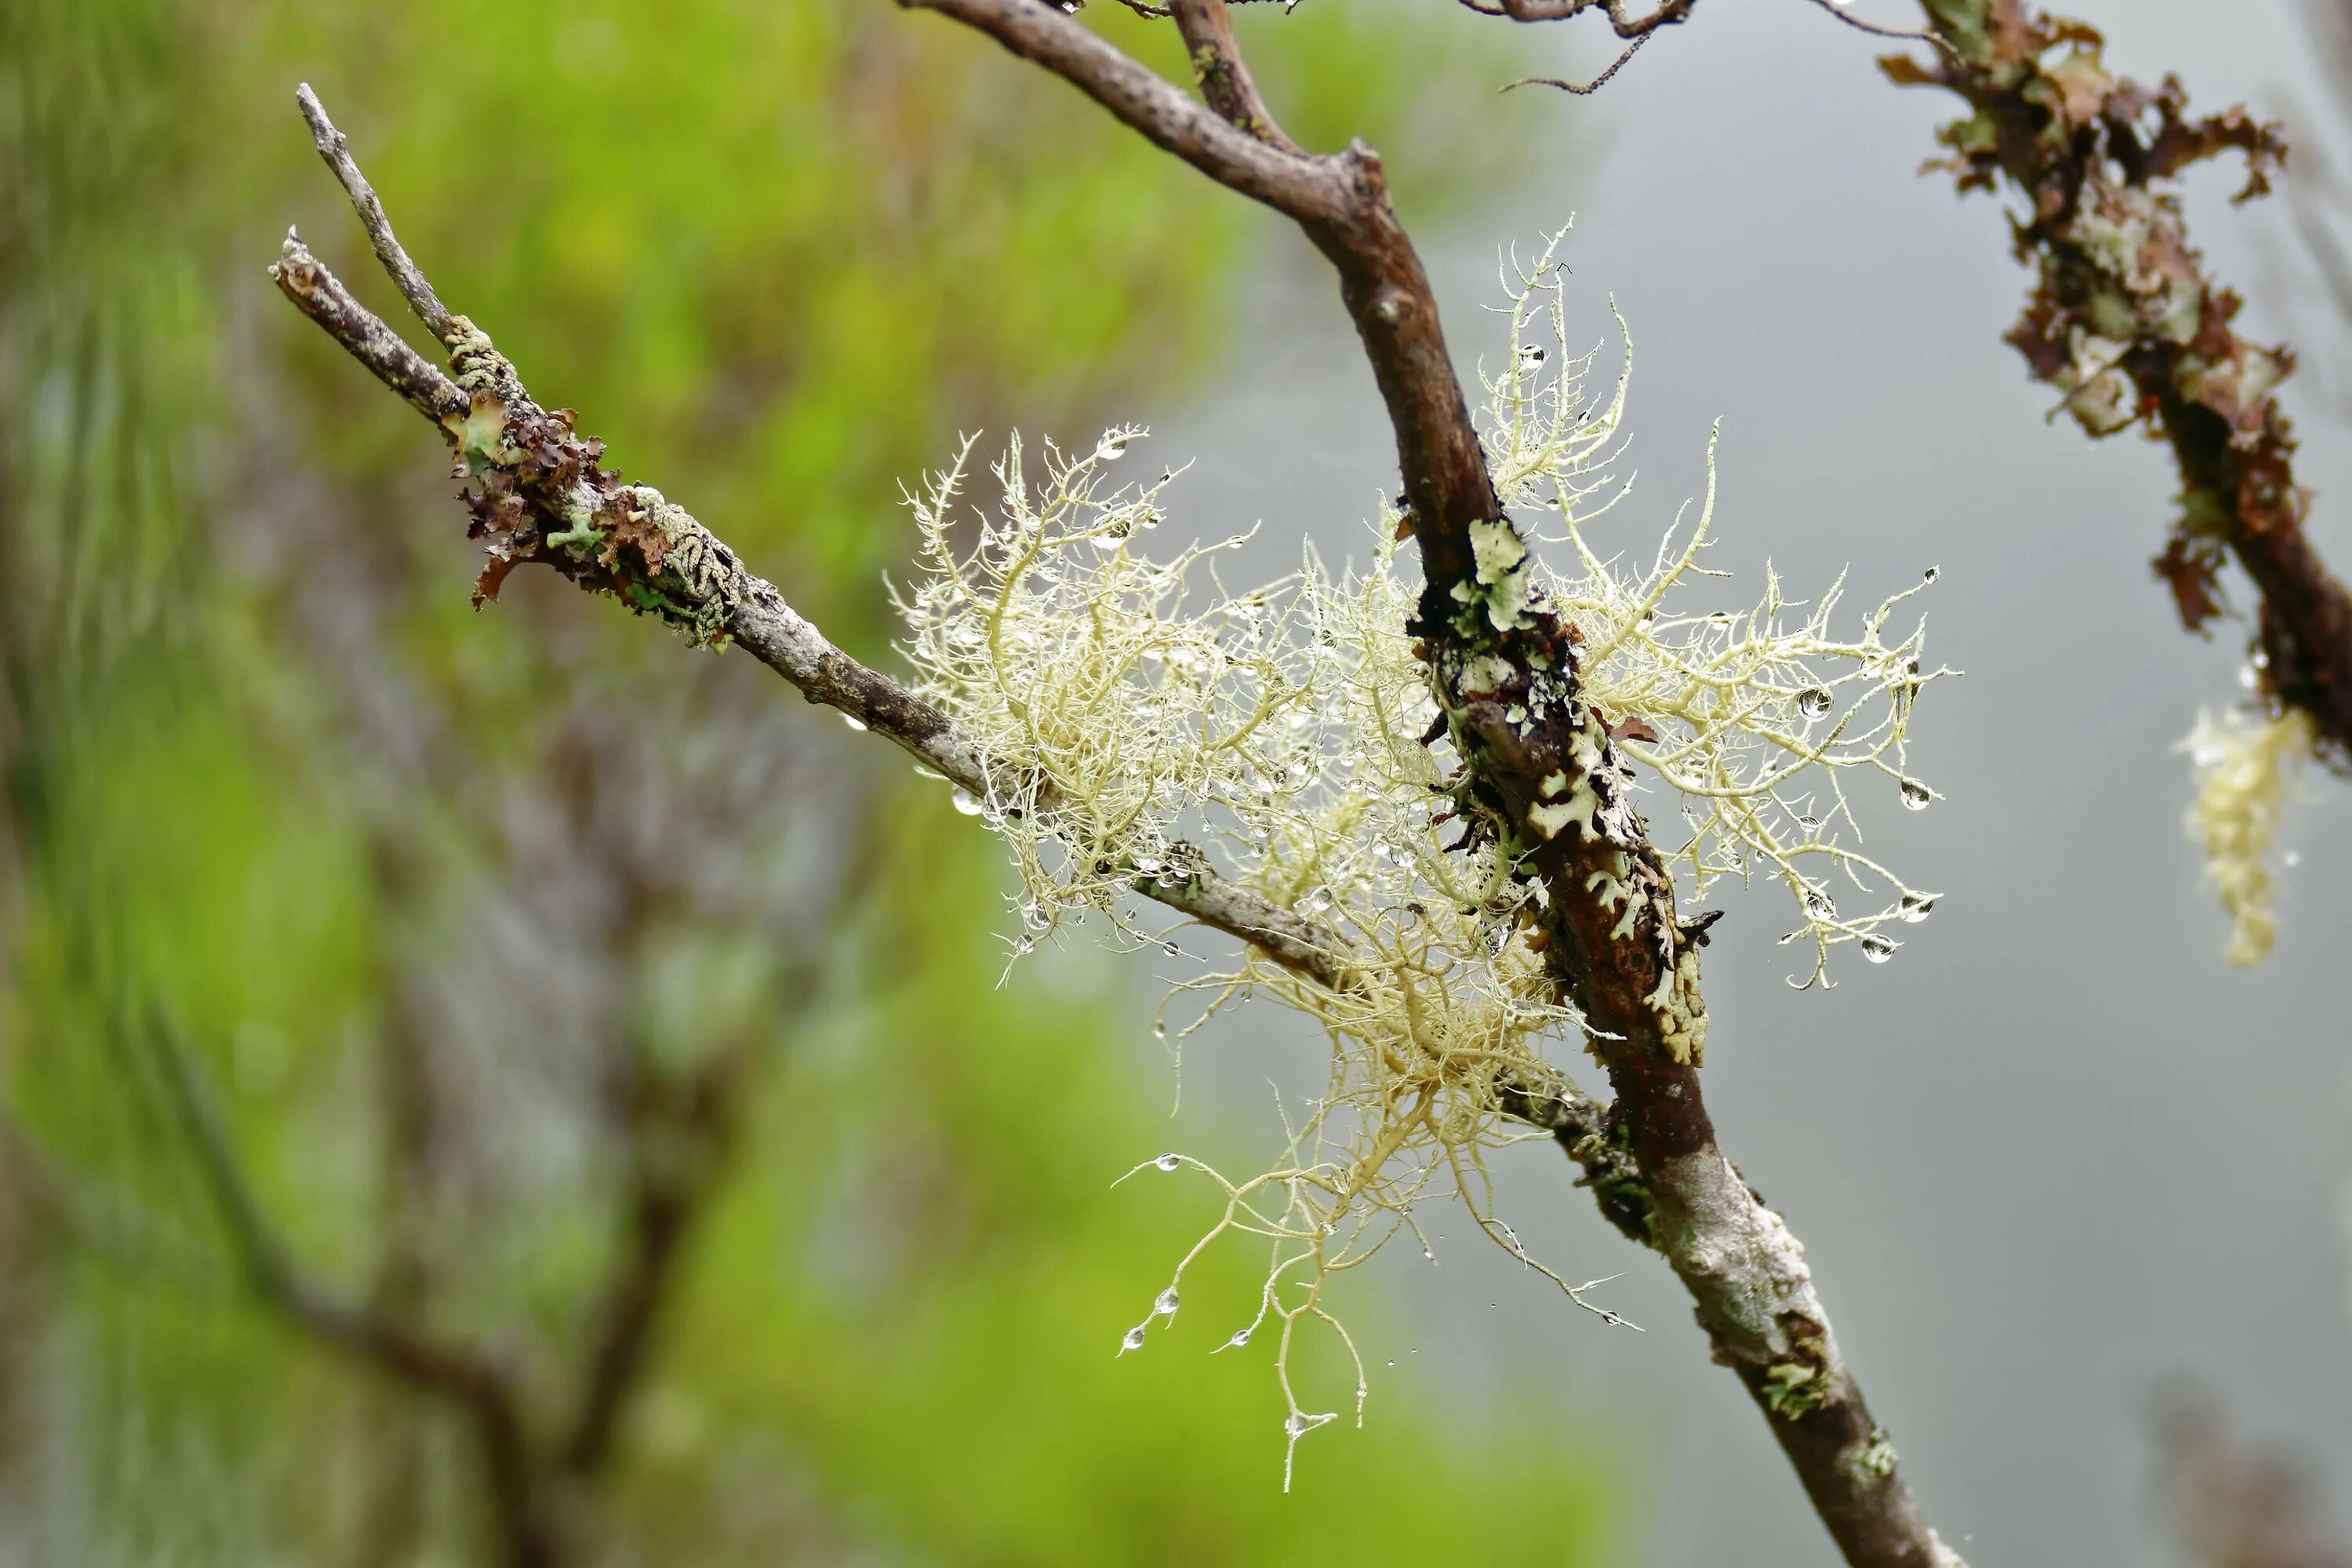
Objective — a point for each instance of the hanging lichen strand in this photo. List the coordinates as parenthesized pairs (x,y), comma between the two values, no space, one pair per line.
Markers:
(1135,708)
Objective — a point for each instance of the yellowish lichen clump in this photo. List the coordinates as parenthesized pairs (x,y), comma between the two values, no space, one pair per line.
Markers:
(2245,766)
(1142,715)
(1753,718)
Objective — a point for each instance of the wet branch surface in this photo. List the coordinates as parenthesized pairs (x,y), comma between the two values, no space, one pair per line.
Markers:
(542,496)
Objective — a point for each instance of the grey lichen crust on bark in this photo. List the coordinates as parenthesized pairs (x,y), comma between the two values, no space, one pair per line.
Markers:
(1540,776)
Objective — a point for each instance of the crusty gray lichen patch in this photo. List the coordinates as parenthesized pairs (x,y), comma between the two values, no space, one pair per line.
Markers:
(545,497)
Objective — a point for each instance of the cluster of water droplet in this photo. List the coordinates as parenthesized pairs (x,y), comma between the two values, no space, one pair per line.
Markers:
(1756,719)
(1113,692)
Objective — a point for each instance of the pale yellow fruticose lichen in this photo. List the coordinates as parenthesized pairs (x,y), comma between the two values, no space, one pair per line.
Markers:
(1142,713)
(2245,766)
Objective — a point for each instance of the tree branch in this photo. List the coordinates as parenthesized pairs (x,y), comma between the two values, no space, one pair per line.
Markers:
(1652,1159)
(1505,677)
(2137,334)
(1626,23)
(405,274)
(1224,80)
(758,618)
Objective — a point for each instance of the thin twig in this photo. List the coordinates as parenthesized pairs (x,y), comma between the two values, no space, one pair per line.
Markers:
(1595,85)
(1621,19)
(335,148)
(1922,35)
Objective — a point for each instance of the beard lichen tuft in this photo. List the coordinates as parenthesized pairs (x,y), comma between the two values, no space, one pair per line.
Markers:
(2246,766)
(1141,715)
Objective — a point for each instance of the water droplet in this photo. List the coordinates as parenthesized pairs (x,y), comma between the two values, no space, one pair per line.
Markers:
(1917,907)
(1819,904)
(1168,1161)
(1300,1423)
(1158,1029)
(1932,573)
(1809,823)
(1112,449)
(1132,1339)
(853,720)
(1171,950)
(1319,901)
(1916,796)
(1033,916)
(1876,948)
(1166,1305)
(965,802)
(1241,1338)
(1813,702)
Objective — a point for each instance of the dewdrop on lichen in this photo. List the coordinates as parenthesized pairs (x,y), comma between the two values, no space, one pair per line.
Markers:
(965,802)
(1165,1307)
(1132,1339)
(1916,796)
(1130,706)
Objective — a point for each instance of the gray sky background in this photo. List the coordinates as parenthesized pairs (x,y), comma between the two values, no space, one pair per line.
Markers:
(2056,1148)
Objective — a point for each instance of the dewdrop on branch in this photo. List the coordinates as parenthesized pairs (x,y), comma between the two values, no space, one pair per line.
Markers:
(1145,718)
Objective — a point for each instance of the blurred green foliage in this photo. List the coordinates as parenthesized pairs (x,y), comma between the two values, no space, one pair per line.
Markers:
(422,888)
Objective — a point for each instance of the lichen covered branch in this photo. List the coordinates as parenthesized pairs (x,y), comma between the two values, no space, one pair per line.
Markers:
(2125,322)
(1544,784)
(543,496)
